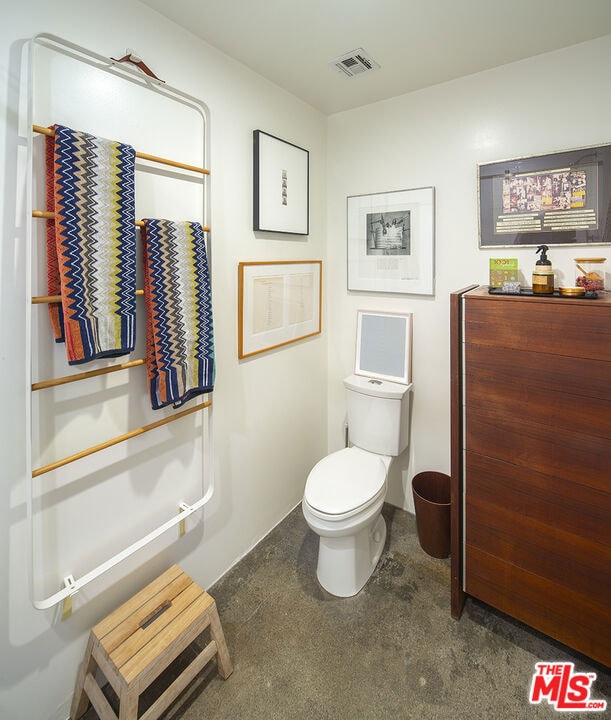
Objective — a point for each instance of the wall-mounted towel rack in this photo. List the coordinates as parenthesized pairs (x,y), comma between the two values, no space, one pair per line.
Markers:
(65,49)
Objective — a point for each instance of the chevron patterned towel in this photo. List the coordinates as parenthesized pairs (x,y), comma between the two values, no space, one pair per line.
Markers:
(91,245)
(179,330)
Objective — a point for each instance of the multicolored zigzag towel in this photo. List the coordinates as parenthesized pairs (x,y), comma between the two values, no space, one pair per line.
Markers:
(91,246)
(179,330)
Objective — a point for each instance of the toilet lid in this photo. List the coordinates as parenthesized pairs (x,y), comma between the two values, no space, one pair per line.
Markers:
(345,480)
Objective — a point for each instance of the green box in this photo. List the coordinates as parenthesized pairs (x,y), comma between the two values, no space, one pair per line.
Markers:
(503,270)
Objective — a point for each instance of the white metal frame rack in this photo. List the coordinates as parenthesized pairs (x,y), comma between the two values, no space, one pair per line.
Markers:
(130,72)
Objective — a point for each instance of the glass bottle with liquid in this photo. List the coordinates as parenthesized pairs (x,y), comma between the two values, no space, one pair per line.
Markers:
(543,274)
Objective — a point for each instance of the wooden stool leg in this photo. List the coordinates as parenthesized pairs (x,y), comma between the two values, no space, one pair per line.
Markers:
(128,705)
(216,633)
(80,701)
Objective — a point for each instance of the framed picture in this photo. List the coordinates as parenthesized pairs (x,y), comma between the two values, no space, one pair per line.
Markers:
(281,185)
(278,303)
(562,198)
(383,346)
(391,241)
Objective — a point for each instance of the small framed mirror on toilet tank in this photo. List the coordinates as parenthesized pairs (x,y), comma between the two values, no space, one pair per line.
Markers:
(384,346)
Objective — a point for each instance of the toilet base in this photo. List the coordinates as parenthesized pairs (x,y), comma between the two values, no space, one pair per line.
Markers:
(346,562)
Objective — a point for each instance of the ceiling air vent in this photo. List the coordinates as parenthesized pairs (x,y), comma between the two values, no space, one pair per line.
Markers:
(354,63)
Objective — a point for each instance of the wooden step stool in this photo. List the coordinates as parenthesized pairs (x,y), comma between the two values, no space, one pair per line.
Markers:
(135,643)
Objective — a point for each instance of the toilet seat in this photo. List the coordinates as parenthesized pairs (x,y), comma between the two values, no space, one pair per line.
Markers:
(344,482)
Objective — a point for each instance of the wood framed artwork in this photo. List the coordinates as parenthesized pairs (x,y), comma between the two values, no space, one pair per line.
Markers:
(391,241)
(562,198)
(280,185)
(278,303)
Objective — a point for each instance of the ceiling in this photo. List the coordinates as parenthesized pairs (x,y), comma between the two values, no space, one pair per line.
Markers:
(417,43)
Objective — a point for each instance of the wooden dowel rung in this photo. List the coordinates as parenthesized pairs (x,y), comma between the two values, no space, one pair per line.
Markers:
(119,439)
(142,156)
(43,130)
(42,299)
(43,384)
(172,163)
(46,215)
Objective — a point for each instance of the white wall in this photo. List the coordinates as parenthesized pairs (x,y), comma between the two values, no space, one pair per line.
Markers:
(436,137)
(270,411)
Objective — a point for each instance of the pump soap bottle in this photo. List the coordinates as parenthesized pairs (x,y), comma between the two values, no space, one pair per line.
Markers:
(543,274)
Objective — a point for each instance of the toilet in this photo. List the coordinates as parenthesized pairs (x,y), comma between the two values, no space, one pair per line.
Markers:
(345,491)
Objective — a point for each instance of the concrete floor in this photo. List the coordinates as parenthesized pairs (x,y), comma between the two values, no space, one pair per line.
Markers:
(392,651)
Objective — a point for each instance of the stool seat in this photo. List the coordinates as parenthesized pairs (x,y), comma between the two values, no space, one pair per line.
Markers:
(136,642)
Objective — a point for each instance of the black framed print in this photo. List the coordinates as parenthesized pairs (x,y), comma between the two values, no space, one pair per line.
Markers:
(281,185)
(561,198)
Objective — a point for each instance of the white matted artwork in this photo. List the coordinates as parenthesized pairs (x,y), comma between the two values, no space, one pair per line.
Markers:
(391,241)
(280,185)
(278,303)
(384,346)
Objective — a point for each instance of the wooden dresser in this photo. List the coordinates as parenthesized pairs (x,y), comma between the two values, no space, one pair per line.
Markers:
(531,462)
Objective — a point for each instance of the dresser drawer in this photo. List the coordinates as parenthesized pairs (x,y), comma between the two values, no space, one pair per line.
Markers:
(559,327)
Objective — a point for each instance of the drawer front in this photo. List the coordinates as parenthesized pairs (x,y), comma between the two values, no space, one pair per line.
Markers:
(553,609)
(559,328)
(573,510)
(487,396)
(512,367)
(568,560)
(575,457)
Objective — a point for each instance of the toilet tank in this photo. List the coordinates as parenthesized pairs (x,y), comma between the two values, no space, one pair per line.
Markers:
(378,414)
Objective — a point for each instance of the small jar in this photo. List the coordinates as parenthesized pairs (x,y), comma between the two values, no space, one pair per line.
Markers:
(590,273)
(543,280)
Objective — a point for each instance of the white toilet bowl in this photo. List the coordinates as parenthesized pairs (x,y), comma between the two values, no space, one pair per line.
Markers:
(342,504)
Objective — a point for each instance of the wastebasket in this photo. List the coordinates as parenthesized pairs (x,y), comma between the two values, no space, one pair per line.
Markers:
(431,491)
